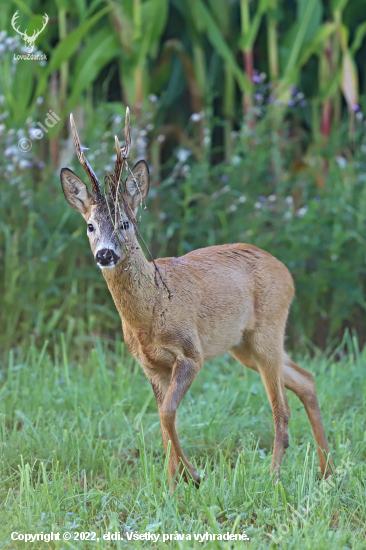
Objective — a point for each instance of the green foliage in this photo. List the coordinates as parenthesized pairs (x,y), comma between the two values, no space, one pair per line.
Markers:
(187,53)
(80,450)
(310,214)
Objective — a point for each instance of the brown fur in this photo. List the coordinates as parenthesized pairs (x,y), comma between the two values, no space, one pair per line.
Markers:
(233,298)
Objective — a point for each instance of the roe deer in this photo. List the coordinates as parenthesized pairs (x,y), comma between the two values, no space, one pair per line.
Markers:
(232,298)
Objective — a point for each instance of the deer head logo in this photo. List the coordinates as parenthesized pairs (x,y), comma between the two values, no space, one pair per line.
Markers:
(29,40)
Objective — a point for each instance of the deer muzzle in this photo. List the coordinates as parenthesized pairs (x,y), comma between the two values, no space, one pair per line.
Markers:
(106,258)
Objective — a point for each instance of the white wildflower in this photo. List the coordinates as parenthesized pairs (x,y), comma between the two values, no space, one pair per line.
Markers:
(35,133)
(183,154)
(11,151)
(196,117)
(302,211)
(186,169)
(23,164)
(289,200)
(341,161)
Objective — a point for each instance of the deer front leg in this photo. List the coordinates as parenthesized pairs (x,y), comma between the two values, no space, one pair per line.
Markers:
(184,372)
(160,390)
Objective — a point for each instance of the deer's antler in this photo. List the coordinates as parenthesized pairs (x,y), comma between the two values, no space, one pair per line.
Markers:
(122,155)
(37,33)
(83,161)
(13,21)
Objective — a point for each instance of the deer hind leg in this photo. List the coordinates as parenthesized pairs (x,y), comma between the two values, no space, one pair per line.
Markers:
(265,355)
(184,372)
(301,382)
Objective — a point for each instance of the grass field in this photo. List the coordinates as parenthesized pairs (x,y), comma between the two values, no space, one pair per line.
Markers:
(81,451)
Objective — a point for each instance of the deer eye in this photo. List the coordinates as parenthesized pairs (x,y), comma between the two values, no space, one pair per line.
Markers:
(125,225)
(90,227)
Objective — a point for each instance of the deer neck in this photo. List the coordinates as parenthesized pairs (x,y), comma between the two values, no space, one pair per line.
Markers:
(133,289)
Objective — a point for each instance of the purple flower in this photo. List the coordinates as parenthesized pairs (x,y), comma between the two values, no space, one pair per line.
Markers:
(291,103)
(256,79)
(258,97)
(293,90)
(41,165)
(224,177)
(271,98)
(355,108)
(262,198)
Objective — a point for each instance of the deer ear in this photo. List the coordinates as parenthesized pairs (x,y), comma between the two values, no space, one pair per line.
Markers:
(75,191)
(137,185)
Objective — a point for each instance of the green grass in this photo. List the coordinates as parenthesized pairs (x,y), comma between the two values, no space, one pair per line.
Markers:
(81,450)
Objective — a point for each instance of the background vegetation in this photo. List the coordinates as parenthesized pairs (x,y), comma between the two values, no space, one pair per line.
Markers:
(250,116)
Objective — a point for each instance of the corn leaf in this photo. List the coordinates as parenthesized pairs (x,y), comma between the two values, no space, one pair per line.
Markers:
(309,18)
(338,5)
(349,82)
(23,7)
(98,52)
(247,40)
(67,47)
(219,44)
(322,34)
(359,36)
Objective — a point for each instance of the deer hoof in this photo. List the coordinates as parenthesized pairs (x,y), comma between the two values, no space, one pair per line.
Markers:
(190,473)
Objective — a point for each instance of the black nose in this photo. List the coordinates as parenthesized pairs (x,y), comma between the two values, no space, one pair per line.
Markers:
(104,256)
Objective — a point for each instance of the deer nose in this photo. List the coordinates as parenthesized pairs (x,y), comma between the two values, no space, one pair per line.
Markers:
(104,256)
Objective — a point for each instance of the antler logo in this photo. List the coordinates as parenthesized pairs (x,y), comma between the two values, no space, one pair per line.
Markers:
(29,40)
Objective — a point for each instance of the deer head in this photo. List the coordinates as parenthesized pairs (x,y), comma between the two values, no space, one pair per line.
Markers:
(110,217)
(29,40)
